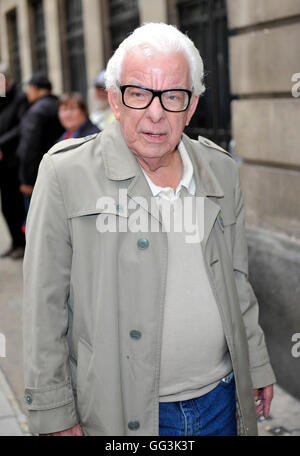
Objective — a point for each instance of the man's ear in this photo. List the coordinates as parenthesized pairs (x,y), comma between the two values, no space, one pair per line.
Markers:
(114,101)
(192,109)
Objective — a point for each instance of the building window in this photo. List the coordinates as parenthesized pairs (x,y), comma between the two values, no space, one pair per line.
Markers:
(123,19)
(73,51)
(39,51)
(205,21)
(13,44)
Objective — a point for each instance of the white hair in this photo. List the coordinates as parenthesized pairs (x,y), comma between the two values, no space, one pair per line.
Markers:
(162,38)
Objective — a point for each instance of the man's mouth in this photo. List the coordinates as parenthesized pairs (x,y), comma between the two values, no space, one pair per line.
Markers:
(154,136)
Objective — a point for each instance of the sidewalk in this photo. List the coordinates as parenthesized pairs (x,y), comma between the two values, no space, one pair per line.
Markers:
(12,421)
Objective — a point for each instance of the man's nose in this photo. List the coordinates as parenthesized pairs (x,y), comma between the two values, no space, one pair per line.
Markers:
(155,111)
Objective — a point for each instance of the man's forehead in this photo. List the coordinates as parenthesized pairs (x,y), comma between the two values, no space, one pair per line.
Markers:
(157,66)
(152,57)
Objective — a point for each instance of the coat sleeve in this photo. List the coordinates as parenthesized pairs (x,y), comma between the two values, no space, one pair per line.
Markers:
(11,135)
(9,123)
(48,391)
(260,368)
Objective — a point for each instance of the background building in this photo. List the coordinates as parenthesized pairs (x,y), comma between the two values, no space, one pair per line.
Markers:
(251,50)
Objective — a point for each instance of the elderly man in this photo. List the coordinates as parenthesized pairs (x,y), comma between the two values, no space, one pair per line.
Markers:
(132,326)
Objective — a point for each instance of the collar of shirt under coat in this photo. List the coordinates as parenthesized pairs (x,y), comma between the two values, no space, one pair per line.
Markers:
(187,178)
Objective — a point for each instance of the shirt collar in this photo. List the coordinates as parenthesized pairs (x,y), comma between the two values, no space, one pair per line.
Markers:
(187,178)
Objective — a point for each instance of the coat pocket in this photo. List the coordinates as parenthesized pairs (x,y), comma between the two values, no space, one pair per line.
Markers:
(102,220)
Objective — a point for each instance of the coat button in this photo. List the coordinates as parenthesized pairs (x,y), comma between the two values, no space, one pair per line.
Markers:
(28,399)
(133,425)
(135,334)
(143,243)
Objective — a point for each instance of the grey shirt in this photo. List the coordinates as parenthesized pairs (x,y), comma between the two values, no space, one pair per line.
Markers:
(194,351)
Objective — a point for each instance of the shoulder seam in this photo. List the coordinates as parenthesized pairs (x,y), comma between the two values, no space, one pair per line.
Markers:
(72,144)
(208,143)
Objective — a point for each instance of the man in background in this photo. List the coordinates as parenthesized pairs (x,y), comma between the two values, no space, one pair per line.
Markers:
(103,114)
(12,107)
(40,129)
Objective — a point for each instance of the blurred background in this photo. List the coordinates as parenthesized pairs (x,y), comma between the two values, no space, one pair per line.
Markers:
(251,53)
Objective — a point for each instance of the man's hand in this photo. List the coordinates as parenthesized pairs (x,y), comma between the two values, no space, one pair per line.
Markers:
(26,189)
(1,155)
(265,396)
(75,431)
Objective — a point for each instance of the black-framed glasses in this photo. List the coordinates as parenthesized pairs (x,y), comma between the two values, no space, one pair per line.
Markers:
(174,100)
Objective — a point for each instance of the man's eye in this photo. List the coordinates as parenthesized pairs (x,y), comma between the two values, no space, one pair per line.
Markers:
(172,97)
(138,94)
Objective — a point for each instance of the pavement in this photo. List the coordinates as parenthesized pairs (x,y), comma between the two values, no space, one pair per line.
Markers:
(284,419)
(13,422)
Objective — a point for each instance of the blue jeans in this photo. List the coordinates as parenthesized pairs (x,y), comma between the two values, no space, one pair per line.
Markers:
(212,414)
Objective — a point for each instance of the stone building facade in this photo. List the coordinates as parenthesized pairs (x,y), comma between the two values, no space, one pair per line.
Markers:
(252,55)
(264,70)
(72,35)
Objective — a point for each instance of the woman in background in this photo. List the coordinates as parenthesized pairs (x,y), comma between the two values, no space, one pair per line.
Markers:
(73,115)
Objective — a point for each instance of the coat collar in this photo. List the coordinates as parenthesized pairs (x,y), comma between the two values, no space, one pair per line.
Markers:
(120,163)
(207,183)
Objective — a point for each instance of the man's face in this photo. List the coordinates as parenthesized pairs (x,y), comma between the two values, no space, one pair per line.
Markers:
(32,93)
(157,72)
(101,95)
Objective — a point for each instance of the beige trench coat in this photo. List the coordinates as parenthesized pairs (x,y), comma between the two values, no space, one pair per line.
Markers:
(87,295)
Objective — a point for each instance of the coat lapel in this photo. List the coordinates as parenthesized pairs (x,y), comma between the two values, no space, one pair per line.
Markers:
(140,192)
(207,185)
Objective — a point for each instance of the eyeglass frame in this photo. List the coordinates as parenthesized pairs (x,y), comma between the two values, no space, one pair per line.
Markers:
(155,93)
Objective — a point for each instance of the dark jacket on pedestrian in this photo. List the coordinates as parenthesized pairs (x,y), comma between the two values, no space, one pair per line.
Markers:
(40,128)
(86,129)
(12,108)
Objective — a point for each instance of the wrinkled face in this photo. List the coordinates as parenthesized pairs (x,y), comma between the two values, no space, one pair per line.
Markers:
(153,132)
(71,116)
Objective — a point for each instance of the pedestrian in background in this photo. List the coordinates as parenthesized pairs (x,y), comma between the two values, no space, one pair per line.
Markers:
(40,129)
(103,114)
(73,115)
(12,107)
